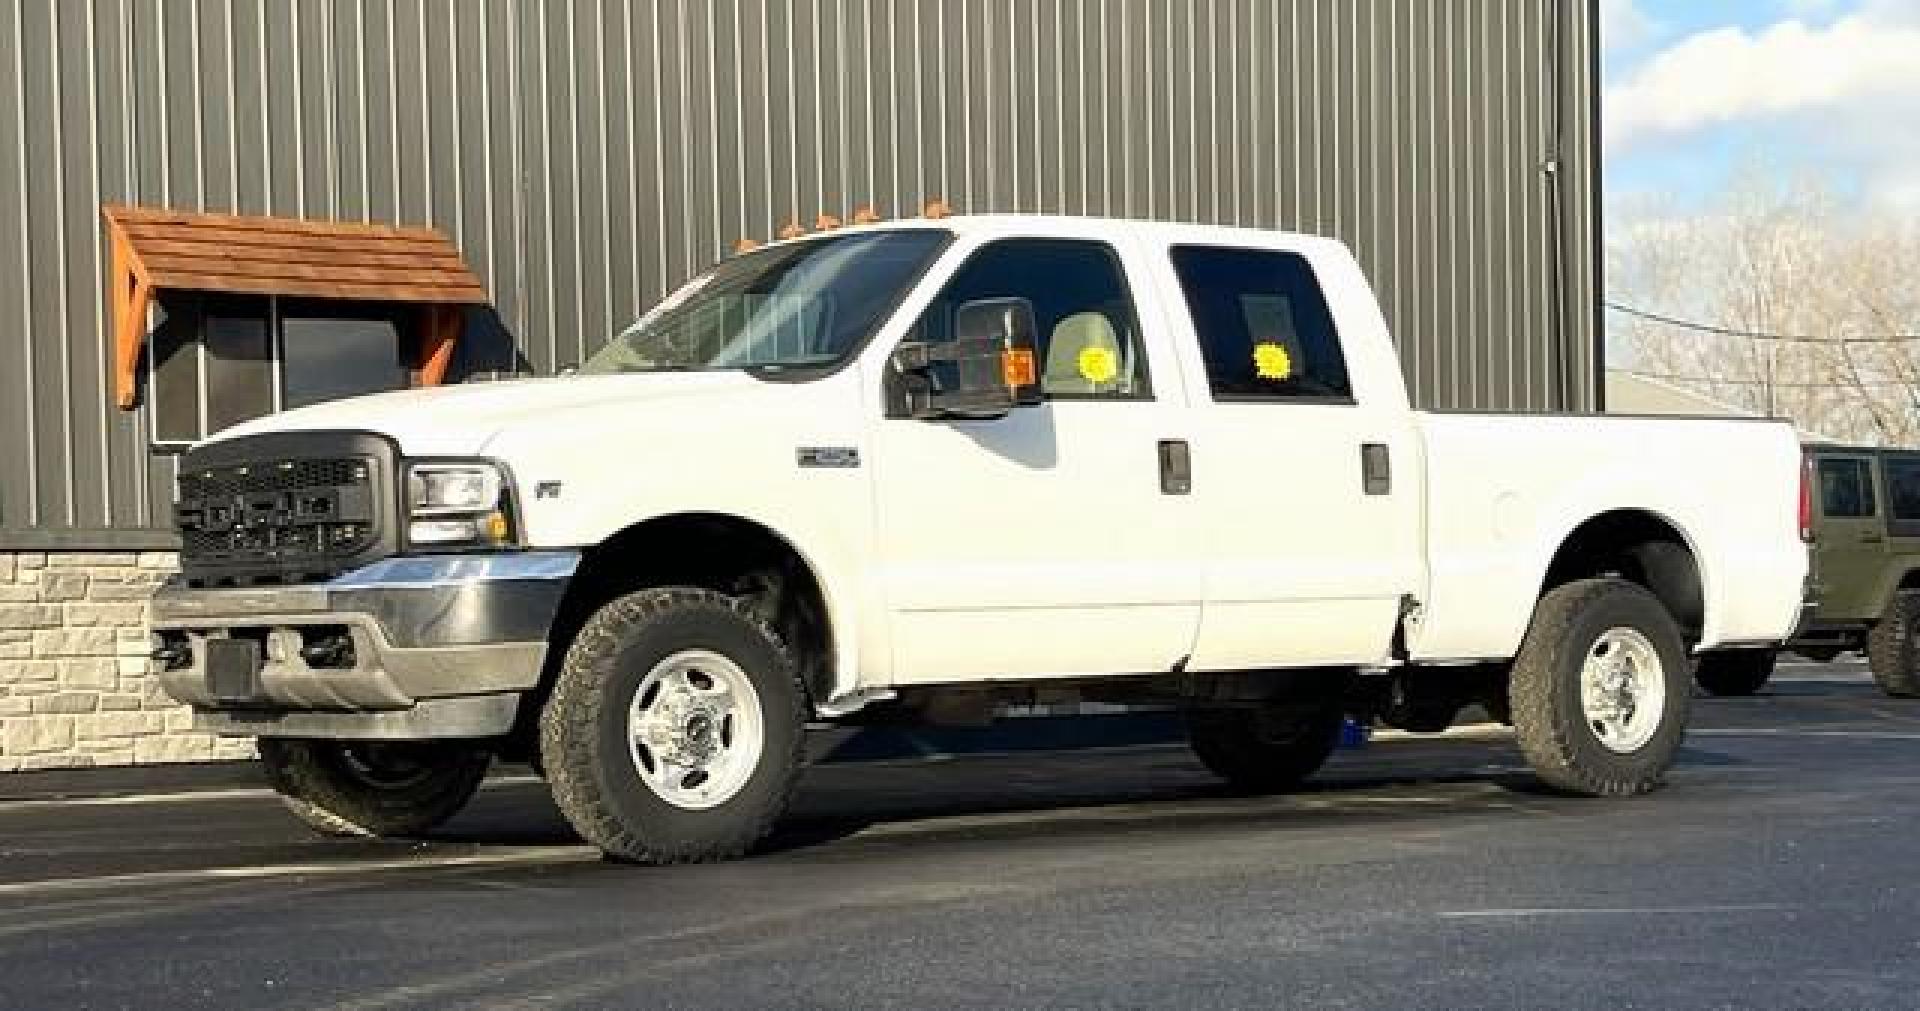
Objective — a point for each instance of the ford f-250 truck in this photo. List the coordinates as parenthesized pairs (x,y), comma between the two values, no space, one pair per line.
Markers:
(900,469)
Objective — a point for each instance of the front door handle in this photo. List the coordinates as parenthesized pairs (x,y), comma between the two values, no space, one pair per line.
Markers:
(1176,467)
(1376,469)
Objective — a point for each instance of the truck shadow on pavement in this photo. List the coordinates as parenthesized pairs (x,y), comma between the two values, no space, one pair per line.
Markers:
(1067,794)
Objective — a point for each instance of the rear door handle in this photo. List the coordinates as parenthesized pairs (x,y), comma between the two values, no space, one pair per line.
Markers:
(1176,467)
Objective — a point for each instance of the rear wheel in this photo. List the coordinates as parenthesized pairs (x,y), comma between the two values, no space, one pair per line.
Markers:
(373,788)
(1599,689)
(1265,750)
(1890,647)
(1734,671)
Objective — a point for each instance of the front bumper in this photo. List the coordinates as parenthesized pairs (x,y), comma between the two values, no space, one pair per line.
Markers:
(442,646)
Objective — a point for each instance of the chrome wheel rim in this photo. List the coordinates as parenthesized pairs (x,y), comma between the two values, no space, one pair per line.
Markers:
(695,730)
(1623,690)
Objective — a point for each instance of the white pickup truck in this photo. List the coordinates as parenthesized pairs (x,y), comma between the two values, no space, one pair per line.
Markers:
(922,468)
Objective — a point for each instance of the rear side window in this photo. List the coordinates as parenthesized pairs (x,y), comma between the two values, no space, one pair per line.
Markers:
(1264,328)
(1903,487)
(1846,489)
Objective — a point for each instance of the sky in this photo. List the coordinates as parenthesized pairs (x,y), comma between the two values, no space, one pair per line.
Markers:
(1698,92)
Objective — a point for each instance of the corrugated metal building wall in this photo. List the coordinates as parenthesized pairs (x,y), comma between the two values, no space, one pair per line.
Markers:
(588,155)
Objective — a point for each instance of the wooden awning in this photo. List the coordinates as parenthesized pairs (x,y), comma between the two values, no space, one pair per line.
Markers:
(155,250)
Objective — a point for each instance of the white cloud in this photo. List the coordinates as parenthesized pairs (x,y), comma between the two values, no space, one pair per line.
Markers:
(1623,25)
(1728,75)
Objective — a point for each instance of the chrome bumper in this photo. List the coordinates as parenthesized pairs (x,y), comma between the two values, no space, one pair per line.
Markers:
(442,645)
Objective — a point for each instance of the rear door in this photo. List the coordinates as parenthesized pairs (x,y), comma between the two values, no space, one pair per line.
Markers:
(1850,543)
(1306,472)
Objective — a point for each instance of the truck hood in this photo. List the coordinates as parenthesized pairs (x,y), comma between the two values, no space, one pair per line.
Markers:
(460,420)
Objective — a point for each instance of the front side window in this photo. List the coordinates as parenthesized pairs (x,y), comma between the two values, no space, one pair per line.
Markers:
(1846,489)
(798,305)
(1264,328)
(1088,336)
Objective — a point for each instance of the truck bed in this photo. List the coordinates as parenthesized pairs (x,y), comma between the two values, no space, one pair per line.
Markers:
(1503,491)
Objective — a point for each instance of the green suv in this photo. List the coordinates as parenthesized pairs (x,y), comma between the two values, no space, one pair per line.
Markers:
(1864,515)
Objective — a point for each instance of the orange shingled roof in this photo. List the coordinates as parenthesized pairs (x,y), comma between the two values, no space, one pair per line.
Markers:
(157,249)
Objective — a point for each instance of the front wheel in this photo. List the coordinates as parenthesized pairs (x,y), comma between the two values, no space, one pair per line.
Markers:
(674,732)
(373,788)
(1734,672)
(1600,690)
(1265,750)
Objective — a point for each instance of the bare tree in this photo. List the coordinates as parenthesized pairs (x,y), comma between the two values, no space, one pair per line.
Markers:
(1775,261)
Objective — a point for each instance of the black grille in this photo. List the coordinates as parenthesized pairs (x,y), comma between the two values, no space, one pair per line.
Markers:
(277,521)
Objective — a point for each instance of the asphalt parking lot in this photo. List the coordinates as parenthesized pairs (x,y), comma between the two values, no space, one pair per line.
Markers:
(1778,869)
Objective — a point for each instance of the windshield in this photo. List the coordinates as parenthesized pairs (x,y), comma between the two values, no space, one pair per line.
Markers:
(798,305)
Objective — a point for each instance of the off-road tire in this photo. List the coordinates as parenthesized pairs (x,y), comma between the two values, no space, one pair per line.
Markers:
(1263,750)
(583,729)
(1544,689)
(1734,672)
(329,785)
(1891,650)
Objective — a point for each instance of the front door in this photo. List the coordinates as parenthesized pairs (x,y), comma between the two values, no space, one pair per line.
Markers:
(1045,542)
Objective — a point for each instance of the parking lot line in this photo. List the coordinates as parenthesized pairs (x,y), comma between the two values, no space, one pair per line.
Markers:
(502,857)
(1865,735)
(1491,914)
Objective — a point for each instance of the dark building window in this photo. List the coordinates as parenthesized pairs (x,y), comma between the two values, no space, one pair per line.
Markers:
(331,350)
(218,360)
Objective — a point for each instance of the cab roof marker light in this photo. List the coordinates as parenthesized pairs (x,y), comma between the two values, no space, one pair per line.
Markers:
(866,215)
(792,230)
(825,222)
(746,245)
(936,209)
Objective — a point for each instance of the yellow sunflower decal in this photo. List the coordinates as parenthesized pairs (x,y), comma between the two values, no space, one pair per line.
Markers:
(1271,361)
(1097,364)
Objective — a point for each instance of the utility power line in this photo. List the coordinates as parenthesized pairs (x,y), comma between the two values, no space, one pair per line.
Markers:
(1672,377)
(1687,324)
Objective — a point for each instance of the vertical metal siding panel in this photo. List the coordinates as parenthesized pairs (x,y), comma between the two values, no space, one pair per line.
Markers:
(440,119)
(379,126)
(586,223)
(1585,261)
(247,144)
(82,254)
(40,167)
(700,162)
(19,494)
(466,95)
(534,196)
(123,450)
(1540,232)
(621,148)
(348,100)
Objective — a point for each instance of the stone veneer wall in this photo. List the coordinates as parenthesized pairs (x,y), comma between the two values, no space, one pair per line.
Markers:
(76,687)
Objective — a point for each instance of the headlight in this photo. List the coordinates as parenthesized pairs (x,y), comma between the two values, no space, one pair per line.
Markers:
(458,505)
(435,489)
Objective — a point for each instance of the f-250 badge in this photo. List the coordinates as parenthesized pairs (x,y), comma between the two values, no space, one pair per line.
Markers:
(828,456)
